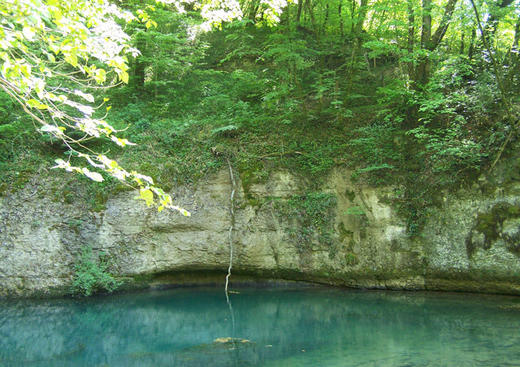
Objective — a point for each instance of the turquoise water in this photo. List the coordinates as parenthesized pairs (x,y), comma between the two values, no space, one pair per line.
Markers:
(277,327)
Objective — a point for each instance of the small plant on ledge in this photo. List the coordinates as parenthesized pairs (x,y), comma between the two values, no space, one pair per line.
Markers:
(91,274)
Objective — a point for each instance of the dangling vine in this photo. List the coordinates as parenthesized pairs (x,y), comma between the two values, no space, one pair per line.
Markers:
(232,225)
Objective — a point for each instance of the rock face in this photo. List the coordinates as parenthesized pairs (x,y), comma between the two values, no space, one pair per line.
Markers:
(471,242)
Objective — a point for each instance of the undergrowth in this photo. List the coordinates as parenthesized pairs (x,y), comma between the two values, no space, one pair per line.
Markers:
(91,274)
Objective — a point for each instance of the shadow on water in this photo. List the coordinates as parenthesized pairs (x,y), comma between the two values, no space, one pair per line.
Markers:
(279,327)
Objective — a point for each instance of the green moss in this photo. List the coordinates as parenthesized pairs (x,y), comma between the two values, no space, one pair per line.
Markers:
(143,278)
(343,232)
(75,224)
(312,218)
(351,195)
(252,173)
(246,177)
(98,201)
(489,224)
(351,259)
(68,196)
(21,179)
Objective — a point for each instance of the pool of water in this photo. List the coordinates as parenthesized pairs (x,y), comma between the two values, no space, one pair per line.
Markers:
(264,327)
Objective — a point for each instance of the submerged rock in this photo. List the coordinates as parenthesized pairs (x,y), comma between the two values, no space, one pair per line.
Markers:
(230,340)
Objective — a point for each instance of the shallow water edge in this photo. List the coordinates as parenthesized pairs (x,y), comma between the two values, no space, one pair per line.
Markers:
(216,279)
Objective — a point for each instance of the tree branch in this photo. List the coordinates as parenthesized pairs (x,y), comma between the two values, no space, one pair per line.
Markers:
(443,26)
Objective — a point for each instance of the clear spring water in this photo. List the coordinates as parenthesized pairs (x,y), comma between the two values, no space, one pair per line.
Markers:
(283,327)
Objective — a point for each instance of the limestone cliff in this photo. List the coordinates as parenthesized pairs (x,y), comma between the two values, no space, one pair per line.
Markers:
(470,241)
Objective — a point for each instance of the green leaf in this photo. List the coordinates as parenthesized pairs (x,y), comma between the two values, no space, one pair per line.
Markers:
(123,75)
(101,76)
(147,196)
(72,59)
(34,103)
(92,175)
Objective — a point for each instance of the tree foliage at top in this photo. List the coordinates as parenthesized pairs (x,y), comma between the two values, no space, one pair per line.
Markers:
(400,91)
(54,53)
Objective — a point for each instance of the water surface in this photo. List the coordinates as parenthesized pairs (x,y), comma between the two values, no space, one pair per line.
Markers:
(277,327)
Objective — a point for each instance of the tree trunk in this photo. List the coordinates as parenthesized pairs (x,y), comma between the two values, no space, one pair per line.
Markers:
(430,42)
(444,24)
(310,12)
(325,21)
(360,18)
(411,39)
(254,11)
(341,29)
(426,31)
(353,16)
(471,49)
(140,65)
(513,51)
(423,67)
(299,12)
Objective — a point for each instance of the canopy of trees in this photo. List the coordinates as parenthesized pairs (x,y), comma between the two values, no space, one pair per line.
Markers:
(416,91)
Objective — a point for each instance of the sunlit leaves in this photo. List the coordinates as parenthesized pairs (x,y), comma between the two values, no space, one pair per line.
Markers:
(218,12)
(34,103)
(120,142)
(272,9)
(80,42)
(146,195)
(94,176)
(55,53)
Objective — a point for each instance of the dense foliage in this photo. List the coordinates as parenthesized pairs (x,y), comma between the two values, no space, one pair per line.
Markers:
(419,94)
(91,274)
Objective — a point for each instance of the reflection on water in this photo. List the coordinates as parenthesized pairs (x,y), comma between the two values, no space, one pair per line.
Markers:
(279,327)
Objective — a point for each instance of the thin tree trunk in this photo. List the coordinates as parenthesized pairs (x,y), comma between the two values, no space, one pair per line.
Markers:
(285,17)
(360,19)
(341,29)
(299,12)
(513,58)
(517,33)
(310,12)
(426,31)
(411,39)
(353,16)
(325,21)
(512,54)
(140,65)
(471,49)
(430,42)
(423,67)
(443,26)
(492,56)
(254,12)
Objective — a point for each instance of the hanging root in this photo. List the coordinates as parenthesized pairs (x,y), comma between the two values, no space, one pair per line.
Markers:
(232,226)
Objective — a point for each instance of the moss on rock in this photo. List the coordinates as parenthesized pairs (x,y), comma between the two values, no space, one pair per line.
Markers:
(488,227)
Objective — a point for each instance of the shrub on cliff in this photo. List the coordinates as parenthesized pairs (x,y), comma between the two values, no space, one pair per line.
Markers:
(91,274)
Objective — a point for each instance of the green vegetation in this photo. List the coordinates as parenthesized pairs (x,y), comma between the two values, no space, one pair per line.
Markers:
(420,95)
(91,274)
(311,218)
(489,225)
